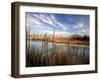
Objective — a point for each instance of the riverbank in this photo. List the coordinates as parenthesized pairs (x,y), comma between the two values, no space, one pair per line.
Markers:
(63,41)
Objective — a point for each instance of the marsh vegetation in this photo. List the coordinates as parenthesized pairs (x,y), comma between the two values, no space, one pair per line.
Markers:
(44,50)
(54,39)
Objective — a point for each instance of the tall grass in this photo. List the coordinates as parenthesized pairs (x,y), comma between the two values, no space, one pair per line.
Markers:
(58,55)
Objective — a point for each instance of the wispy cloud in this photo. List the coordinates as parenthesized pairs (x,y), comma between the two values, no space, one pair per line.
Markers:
(44,22)
(51,20)
(82,28)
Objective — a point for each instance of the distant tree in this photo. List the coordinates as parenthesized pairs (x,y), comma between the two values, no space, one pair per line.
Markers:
(85,37)
(78,37)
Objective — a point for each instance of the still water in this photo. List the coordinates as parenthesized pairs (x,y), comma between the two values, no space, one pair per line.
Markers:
(78,53)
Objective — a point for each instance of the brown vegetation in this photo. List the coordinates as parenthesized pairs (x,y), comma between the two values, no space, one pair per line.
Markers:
(65,56)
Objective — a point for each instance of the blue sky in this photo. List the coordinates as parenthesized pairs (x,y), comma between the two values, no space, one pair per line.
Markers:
(64,24)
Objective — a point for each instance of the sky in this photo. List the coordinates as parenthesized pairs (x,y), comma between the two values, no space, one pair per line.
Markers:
(64,24)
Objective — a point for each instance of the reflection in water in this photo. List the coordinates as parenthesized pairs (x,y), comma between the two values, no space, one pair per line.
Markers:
(41,53)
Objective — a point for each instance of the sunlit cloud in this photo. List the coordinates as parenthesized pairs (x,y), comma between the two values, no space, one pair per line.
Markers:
(82,28)
(51,20)
(64,25)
